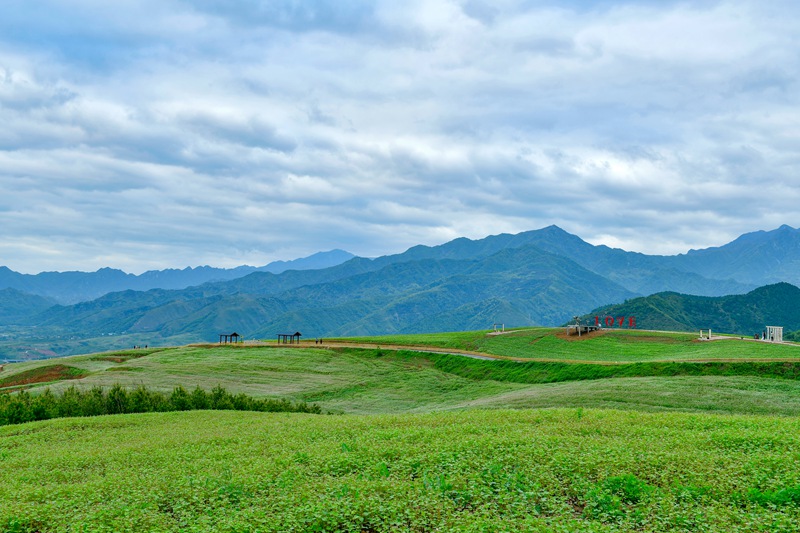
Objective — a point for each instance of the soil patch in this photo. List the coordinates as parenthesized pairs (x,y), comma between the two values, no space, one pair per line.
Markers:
(43,374)
(583,336)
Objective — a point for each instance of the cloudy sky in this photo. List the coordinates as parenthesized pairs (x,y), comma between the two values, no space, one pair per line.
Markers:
(147,134)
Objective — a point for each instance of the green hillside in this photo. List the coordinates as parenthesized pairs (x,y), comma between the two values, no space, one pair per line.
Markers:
(619,431)
(18,307)
(744,314)
(559,470)
(541,277)
(624,369)
(518,286)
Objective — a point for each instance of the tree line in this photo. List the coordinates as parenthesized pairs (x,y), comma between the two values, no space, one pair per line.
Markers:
(23,406)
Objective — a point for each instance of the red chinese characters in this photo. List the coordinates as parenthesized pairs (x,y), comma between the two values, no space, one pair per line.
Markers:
(611,322)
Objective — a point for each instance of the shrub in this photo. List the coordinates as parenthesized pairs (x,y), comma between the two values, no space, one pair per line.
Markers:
(24,407)
(199,399)
(180,399)
(117,400)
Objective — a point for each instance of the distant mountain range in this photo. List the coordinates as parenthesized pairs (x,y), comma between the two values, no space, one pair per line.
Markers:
(74,287)
(540,277)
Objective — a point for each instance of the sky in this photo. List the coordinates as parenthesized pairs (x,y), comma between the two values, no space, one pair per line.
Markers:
(150,134)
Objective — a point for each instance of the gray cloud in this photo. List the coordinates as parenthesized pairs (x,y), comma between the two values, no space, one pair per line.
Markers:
(164,134)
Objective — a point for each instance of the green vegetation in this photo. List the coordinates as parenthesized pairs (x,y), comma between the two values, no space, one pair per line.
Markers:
(618,432)
(24,407)
(342,381)
(459,340)
(553,470)
(612,346)
(548,372)
(650,372)
(742,314)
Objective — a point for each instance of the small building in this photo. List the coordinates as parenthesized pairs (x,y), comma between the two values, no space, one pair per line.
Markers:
(229,338)
(289,338)
(773,334)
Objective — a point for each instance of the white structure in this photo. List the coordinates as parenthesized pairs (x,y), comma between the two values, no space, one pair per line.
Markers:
(501,326)
(705,336)
(773,334)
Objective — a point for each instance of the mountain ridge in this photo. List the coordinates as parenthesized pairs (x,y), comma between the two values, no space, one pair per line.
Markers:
(71,287)
(538,277)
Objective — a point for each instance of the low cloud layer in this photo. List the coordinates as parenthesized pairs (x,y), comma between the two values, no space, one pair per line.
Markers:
(151,134)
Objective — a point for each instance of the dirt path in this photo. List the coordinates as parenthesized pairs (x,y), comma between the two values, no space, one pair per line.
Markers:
(395,348)
(329,345)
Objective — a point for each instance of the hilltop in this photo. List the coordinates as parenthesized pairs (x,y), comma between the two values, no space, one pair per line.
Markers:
(741,314)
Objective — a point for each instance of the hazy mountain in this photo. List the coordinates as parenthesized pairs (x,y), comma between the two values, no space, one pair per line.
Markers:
(429,294)
(73,287)
(312,262)
(67,287)
(640,273)
(18,307)
(757,258)
(540,277)
(742,314)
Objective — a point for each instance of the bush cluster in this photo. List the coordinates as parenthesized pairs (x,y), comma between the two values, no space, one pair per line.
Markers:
(553,372)
(25,407)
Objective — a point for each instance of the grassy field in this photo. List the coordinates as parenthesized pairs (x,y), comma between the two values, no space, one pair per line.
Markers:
(619,346)
(372,381)
(531,470)
(645,432)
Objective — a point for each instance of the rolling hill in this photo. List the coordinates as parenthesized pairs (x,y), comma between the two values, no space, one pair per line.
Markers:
(658,439)
(741,314)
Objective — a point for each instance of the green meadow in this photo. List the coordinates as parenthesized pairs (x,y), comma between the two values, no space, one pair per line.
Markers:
(610,346)
(471,470)
(625,431)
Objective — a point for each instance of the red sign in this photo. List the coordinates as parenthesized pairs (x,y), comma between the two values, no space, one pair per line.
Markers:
(610,321)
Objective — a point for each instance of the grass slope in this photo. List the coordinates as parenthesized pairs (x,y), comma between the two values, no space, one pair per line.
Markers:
(554,470)
(439,450)
(743,314)
(651,372)
(609,346)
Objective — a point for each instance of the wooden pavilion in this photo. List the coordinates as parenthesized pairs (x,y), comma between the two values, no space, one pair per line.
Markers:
(289,338)
(232,338)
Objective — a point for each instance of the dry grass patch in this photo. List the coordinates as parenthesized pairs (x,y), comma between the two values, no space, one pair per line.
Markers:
(43,374)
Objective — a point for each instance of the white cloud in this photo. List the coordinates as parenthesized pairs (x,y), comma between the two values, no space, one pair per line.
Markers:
(145,134)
